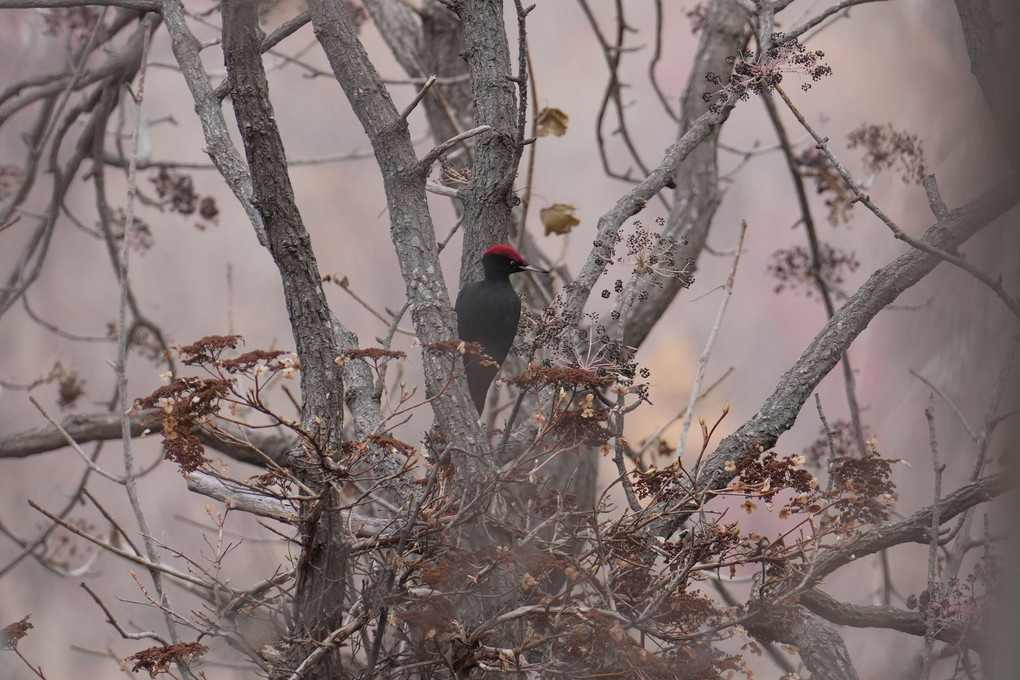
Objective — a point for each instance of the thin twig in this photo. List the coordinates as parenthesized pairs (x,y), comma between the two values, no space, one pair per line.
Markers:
(113,522)
(57,330)
(432,156)
(613,54)
(835,9)
(830,436)
(807,219)
(529,174)
(74,445)
(933,540)
(654,61)
(123,343)
(942,395)
(706,352)
(145,635)
(128,555)
(417,99)
(344,283)
(621,467)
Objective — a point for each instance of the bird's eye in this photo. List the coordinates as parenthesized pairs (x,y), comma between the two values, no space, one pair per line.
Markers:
(512,262)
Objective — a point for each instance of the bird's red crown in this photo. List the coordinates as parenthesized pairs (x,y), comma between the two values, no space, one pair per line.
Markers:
(505,251)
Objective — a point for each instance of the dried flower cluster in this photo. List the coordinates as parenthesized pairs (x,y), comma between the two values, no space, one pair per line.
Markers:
(760,74)
(187,403)
(886,148)
(141,238)
(794,268)
(812,163)
(697,15)
(13,632)
(178,193)
(157,660)
(75,23)
(10,177)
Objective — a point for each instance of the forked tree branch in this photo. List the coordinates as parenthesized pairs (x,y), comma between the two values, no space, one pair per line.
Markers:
(218,144)
(697,189)
(411,228)
(310,317)
(912,529)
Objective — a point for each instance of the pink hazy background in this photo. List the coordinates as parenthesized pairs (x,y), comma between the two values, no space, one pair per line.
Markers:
(902,63)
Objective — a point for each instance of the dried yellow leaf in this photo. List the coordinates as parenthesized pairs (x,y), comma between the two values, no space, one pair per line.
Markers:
(558,218)
(551,121)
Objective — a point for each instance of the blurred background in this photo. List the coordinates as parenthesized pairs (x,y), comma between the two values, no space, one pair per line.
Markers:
(902,63)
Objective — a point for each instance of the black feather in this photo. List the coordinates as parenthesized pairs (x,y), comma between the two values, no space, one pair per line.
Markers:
(488,312)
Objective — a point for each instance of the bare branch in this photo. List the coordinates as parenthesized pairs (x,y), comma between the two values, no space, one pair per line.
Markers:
(864,616)
(140,5)
(412,231)
(207,105)
(780,410)
(994,284)
(91,427)
(74,445)
(710,343)
(915,528)
(933,537)
(831,11)
(237,497)
(942,395)
(634,201)
(433,155)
